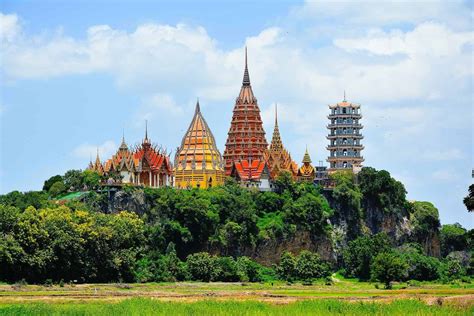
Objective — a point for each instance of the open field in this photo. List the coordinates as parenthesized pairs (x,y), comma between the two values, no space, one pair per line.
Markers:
(344,296)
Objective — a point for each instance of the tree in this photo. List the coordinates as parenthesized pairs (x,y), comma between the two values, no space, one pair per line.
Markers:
(380,190)
(469,199)
(73,180)
(91,179)
(202,267)
(286,267)
(420,267)
(453,238)
(425,219)
(57,189)
(359,254)
(388,267)
(309,266)
(48,183)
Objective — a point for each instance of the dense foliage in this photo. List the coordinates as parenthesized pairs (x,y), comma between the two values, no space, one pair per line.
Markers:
(210,235)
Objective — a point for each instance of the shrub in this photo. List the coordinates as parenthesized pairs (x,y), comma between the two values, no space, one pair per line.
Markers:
(202,267)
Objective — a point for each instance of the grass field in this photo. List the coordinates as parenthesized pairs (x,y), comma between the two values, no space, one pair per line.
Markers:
(344,297)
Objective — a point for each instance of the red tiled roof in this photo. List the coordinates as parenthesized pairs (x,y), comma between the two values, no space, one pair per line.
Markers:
(249,171)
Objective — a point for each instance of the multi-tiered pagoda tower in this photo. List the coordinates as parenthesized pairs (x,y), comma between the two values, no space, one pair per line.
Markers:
(246,137)
(198,162)
(344,136)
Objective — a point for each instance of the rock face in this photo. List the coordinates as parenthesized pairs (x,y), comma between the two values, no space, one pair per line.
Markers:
(269,251)
(132,201)
(345,226)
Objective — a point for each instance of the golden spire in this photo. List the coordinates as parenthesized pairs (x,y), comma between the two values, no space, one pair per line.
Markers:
(306,158)
(246,81)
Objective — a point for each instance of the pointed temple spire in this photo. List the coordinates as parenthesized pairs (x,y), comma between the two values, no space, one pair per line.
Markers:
(198,107)
(276,114)
(344,96)
(146,129)
(123,145)
(246,131)
(198,162)
(306,158)
(246,81)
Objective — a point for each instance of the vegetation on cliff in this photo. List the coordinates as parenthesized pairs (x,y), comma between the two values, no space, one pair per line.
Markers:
(218,234)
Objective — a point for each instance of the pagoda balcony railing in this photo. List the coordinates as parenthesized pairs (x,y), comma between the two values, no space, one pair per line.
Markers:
(336,146)
(336,125)
(345,115)
(344,158)
(347,135)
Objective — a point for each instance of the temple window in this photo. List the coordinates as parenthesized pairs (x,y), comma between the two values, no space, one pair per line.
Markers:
(344,110)
(344,152)
(344,164)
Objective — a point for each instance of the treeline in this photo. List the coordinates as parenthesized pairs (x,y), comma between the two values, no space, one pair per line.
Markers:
(204,234)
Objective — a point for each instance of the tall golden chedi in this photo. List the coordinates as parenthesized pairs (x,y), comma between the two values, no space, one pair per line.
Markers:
(198,162)
(277,157)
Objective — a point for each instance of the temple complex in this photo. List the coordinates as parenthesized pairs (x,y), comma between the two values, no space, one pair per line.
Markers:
(277,157)
(344,136)
(145,165)
(198,162)
(246,137)
(306,172)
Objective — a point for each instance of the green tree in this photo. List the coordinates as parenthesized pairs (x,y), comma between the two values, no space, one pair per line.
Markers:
(388,267)
(286,269)
(48,183)
(359,254)
(381,191)
(420,267)
(425,219)
(202,267)
(453,238)
(73,180)
(469,199)
(57,189)
(310,266)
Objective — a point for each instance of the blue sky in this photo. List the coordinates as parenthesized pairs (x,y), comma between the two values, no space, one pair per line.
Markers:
(75,74)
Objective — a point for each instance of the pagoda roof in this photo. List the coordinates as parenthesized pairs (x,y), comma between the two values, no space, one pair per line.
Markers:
(198,148)
(248,171)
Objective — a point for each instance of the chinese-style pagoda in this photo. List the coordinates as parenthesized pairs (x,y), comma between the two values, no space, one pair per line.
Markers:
(344,136)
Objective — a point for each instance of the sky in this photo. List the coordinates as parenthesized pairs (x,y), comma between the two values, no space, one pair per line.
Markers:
(75,75)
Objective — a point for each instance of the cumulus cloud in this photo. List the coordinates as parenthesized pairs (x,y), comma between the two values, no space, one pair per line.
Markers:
(9,26)
(89,151)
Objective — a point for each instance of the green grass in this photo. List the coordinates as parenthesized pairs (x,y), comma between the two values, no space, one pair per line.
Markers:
(145,306)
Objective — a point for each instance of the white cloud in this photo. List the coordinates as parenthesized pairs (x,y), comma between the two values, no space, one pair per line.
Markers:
(9,26)
(88,151)
(428,39)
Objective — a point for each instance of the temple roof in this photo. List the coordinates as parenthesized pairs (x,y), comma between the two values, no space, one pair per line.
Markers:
(198,150)
(306,158)
(248,171)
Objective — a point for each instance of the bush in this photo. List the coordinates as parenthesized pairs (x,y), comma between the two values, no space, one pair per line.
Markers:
(309,266)
(202,267)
